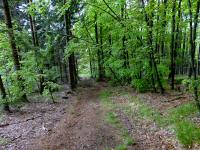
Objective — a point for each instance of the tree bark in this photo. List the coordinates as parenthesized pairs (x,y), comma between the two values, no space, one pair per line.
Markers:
(99,58)
(173,34)
(164,22)
(3,92)
(71,59)
(149,21)
(35,41)
(193,32)
(11,36)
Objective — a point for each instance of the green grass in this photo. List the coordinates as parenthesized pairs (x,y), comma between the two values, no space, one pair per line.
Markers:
(187,133)
(121,147)
(177,118)
(112,118)
(105,94)
(181,112)
(3,141)
(143,111)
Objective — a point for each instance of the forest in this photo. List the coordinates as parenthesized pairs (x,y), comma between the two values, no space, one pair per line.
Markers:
(99,74)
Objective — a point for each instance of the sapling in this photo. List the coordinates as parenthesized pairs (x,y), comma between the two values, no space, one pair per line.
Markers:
(49,89)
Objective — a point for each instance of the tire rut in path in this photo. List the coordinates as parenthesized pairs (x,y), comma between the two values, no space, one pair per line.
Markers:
(84,128)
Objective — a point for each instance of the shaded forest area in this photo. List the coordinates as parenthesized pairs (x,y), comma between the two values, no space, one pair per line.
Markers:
(119,61)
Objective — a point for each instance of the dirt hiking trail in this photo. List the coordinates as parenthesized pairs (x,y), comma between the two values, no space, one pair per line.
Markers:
(78,123)
(84,128)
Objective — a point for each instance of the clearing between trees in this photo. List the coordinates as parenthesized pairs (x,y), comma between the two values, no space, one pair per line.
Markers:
(101,117)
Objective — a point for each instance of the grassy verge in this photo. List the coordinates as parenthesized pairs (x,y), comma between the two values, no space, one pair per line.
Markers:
(186,131)
(4,141)
(113,119)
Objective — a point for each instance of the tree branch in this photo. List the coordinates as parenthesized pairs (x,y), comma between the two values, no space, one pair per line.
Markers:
(112,10)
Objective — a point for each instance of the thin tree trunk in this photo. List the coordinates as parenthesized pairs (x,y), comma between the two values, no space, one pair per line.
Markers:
(164,22)
(35,41)
(91,64)
(101,49)
(183,53)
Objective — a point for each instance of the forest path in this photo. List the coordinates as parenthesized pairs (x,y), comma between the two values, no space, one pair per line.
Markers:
(84,127)
(79,123)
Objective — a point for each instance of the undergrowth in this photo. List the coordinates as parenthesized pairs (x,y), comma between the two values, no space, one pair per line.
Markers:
(186,131)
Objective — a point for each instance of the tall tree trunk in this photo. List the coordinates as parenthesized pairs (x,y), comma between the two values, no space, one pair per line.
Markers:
(3,92)
(183,53)
(149,21)
(157,46)
(71,59)
(91,64)
(99,58)
(198,62)
(15,54)
(35,41)
(164,22)
(193,32)
(178,37)
(102,52)
(173,34)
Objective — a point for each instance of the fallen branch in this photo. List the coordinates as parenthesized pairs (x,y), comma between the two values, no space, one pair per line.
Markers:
(174,99)
(7,124)
(16,138)
(4,125)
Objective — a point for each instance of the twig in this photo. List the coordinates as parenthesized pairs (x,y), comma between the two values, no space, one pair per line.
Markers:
(7,124)
(174,99)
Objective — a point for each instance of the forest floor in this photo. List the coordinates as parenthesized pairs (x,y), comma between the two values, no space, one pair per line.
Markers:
(96,117)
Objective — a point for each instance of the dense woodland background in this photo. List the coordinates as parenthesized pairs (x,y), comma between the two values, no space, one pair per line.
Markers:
(146,44)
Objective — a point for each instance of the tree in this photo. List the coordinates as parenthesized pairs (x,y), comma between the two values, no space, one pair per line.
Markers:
(3,92)
(11,36)
(71,58)
(173,34)
(149,21)
(35,41)
(193,36)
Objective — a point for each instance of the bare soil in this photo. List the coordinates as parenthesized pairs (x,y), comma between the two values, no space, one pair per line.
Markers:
(73,124)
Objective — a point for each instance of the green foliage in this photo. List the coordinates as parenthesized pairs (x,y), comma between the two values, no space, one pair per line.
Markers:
(140,85)
(176,119)
(121,147)
(187,133)
(127,139)
(187,83)
(51,75)
(112,118)
(105,94)
(50,87)
(181,112)
(4,141)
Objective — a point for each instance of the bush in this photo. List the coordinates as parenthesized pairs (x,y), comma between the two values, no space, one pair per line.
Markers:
(140,85)
(50,87)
